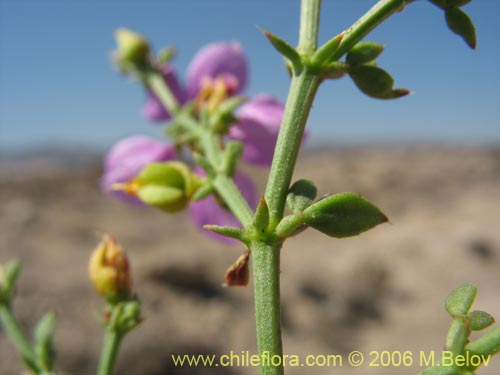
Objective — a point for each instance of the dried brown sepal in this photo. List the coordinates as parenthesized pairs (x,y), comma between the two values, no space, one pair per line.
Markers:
(237,273)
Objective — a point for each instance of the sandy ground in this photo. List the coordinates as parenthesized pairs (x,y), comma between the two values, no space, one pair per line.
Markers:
(383,290)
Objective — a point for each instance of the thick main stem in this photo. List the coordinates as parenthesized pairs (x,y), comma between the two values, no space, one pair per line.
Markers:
(266,252)
(109,353)
(266,275)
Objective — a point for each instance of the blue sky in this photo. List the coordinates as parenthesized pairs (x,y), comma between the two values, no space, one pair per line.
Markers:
(57,85)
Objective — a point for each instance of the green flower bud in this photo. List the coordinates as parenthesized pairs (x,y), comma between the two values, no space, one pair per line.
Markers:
(343,215)
(133,48)
(44,341)
(168,186)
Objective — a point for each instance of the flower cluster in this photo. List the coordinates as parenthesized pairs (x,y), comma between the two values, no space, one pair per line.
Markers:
(217,70)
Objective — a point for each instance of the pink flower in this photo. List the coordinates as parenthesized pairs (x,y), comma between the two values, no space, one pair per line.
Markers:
(258,120)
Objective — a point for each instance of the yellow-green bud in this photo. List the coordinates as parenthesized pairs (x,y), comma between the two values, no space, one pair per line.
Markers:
(168,186)
(109,269)
(133,48)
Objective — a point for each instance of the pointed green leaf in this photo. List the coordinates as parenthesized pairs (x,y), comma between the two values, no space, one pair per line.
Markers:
(300,195)
(231,232)
(446,4)
(44,340)
(480,320)
(203,191)
(166,54)
(261,219)
(324,52)
(10,273)
(284,48)
(487,344)
(343,215)
(375,82)
(460,23)
(364,52)
(460,300)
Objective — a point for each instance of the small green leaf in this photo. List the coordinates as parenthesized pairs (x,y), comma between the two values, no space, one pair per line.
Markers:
(324,52)
(364,52)
(203,191)
(301,195)
(261,219)
(10,273)
(130,316)
(445,4)
(460,23)
(232,152)
(166,54)
(375,82)
(487,344)
(457,3)
(231,232)
(460,300)
(480,320)
(284,48)
(44,340)
(343,215)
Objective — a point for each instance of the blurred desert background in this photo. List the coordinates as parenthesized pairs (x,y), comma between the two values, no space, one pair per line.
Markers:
(383,290)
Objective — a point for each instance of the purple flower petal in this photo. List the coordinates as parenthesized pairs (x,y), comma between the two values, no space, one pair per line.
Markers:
(217,60)
(126,159)
(209,211)
(155,111)
(257,128)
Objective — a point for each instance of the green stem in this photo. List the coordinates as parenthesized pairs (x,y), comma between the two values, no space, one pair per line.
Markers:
(16,334)
(223,184)
(227,189)
(156,83)
(298,105)
(374,17)
(266,251)
(266,275)
(309,26)
(112,341)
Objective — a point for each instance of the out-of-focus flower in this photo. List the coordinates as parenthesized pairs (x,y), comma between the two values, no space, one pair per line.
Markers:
(217,71)
(209,210)
(109,269)
(127,158)
(257,128)
(218,60)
